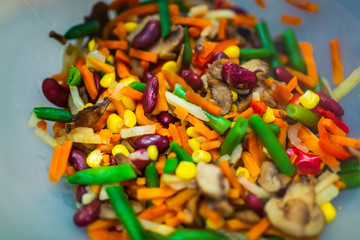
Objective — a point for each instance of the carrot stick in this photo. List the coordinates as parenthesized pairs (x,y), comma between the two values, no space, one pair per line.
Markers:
(105,52)
(42,124)
(194,32)
(202,102)
(161,102)
(182,82)
(261,4)
(142,119)
(112,44)
(233,193)
(151,193)
(292,84)
(121,56)
(208,48)
(291,19)
(215,155)
(154,212)
(237,225)
(258,229)
(143,55)
(108,235)
(79,62)
(245,114)
(163,132)
(175,134)
(347,141)
(131,93)
(205,131)
(304,78)
(119,106)
(193,120)
(222,29)
(181,112)
(120,31)
(307,51)
(332,127)
(101,123)
(122,70)
(269,81)
(337,67)
(283,131)
(70,170)
(250,164)
(116,4)
(184,139)
(245,20)
(230,175)
(88,79)
(101,224)
(59,161)
(60,76)
(188,21)
(213,215)
(100,65)
(210,145)
(309,7)
(253,148)
(174,10)
(133,3)
(160,164)
(176,202)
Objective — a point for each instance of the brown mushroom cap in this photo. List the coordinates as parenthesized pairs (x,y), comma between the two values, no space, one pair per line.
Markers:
(270,179)
(297,213)
(259,67)
(170,43)
(214,71)
(221,95)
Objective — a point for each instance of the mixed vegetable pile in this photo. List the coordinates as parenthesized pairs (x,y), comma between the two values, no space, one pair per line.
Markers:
(186,120)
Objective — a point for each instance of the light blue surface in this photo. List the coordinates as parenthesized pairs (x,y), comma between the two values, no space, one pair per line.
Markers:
(33,208)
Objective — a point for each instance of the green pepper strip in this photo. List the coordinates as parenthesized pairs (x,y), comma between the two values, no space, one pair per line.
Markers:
(53,114)
(274,128)
(152,176)
(102,175)
(266,42)
(351,165)
(126,214)
(164,17)
(234,136)
(272,144)
(303,115)
(82,30)
(193,234)
(291,46)
(138,86)
(180,152)
(251,53)
(74,78)
(170,165)
(187,55)
(351,180)
(218,123)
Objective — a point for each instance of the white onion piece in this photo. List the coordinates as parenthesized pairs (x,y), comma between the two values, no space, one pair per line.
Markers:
(45,137)
(33,120)
(116,91)
(86,135)
(320,186)
(137,131)
(220,13)
(327,194)
(255,189)
(97,55)
(161,229)
(199,10)
(236,154)
(293,132)
(77,100)
(347,85)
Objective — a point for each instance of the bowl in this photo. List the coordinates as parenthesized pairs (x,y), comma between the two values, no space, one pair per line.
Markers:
(31,206)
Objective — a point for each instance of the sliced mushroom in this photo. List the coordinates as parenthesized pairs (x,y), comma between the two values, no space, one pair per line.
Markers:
(297,214)
(224,207)
(263,91)
(259,67)
(107,212)
(221,95)
(245,103)
(270,179)
(214,71)
(177,183)
(136,68)
(83,94)
(247,215)
(88,116)
(169,43)
(121,158)
(211,181)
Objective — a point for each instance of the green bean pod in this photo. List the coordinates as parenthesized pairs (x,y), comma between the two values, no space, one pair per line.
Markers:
(193,234)
(170,165)
(351,165)
(74,78)
(164,17)
(303,115)
(53,114)
(274,128)
(351,180)
(251,53)
(82,30)
(152,176)
(234,136)
(180,152)
(187,55)
(138,86)
(272,144)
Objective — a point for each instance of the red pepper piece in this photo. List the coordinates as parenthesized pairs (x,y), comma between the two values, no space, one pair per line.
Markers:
(321,112)
(258,107)
(305,163)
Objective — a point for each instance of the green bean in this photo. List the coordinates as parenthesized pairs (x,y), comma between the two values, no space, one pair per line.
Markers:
(164,17)
(351,180)
(138,86)
(187,55)
(351,165)
(303,115)
(234,136)
(170,165)
(180,152)
(272,144)
(191,234)
(251,53)
(126,214)
(152,176)
(291,45)
(274,128)
(53,114)
(82,30)
(74,78)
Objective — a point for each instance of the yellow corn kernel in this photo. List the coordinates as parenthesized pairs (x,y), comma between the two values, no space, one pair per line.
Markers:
(191,132)
(186,170)
(153,152)
(269,115)
(91,45)
(201,155)
(120,149)
(95,189)
(194,144)
(232,51)
(127,81)
(107,79)
(234,96)
(86,105)
(129,118)
(110,58)
(131,26)
(114,123)
(266,152)
(212,225)
(233,108)
(128,102)
(88,198)
(94,159)
(170,66)
(243,171)
(309,99)
(329,211)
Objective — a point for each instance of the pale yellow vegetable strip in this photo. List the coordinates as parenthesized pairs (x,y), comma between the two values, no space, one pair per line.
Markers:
(346,86)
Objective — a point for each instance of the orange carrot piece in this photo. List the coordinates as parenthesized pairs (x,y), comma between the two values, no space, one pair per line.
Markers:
(250,164)
(174,10)
(60,76)
(194,32)
(122,70)
(160,164)
(269,81)
(193,120)
(307,51)
(283,58)
(309,7)
(169,79)
(188,21)
(281,94)
(131,93)
(42,124)
(101,66)
(261,4)
(347,141)
(163,132)
(258,229)
(182,82)
(70,170)
(116,4)
(292,84)
(202,129)
(119,106)
(246,20)
(142,119)
(208,48)
(236,225)
(337,66)
(215,155)
(304,78)
(176,202)
(112,44)
(105,133)
(161,102)
(101,224)
(175,134)
(181,112)
(291,20)
(210,214)
(245,114)
(105,52)
(79,62)
(253,148)
(332,127)
(120,31)
(210,145)
(59,161)
(154,211)
(101,123)
(202,102)
(283,131)
(233,193)
(89,82)
(121,56)
(222,29)
(230,175)
(143,55)
(133,3)
(151,193)
(184,139)
(145,65)
(108,235)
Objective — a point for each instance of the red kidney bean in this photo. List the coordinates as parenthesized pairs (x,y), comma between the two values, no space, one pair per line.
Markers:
(55,93)
(305,163)
(238,77)
(255,204)
(282,75)
(165,119)
(148,35)
(330,104)
(140,158)
(78,159)
(88,213)
(147,76)
(81,190)
(150,94)
(321,112)
(113,160)
(218,56)
(192,79)
(145,141)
